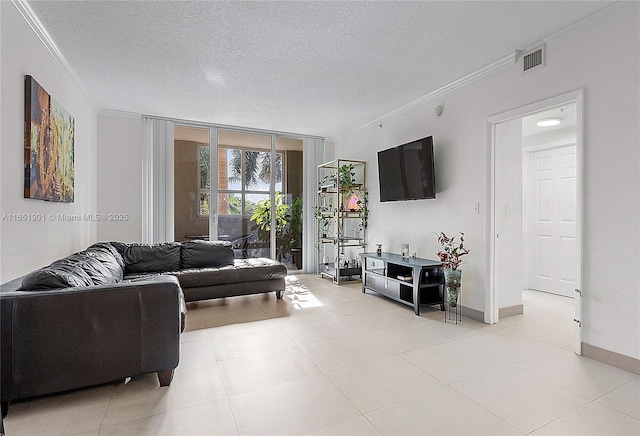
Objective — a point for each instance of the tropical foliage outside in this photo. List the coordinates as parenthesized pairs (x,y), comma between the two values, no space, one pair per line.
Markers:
(248,178)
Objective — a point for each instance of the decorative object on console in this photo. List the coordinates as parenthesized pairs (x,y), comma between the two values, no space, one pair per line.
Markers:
(48,146)
(404,250)
(452,278)
(450,255)
(379,249)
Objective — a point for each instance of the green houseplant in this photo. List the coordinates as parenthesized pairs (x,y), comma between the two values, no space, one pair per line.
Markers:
(262,219)
(364,207)
(451,251)
(347,176)
(324,222)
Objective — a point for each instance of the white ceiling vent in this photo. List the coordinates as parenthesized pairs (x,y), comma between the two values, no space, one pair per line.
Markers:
(533,59)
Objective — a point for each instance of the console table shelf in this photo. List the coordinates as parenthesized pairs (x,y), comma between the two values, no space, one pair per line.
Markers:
(412,281)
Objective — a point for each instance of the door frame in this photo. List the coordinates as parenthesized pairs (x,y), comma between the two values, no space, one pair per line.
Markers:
(491,298)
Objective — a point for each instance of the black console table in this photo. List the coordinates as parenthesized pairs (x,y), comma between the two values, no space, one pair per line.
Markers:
(412,281)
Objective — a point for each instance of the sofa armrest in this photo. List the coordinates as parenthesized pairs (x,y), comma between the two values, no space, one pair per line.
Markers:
(68,338)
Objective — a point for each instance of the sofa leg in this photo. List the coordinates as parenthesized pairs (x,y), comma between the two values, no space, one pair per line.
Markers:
(5,408)
(165,377)
(279,295)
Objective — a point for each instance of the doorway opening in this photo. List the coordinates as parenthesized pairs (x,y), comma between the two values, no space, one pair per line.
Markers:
(549,201)
(536,212)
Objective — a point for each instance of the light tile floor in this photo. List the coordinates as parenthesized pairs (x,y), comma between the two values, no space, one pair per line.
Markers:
(329,360)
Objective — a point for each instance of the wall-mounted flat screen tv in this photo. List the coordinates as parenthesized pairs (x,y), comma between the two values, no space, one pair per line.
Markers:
(406,172)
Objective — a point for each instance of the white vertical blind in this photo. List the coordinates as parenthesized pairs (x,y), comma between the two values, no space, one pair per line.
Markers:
(157,180)
(313,155)
(213,183)
(272,195)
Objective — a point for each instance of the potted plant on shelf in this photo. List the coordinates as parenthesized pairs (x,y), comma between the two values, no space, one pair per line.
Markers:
(363,202)
(347,179)
(347,176)
(319,212)
(450,255)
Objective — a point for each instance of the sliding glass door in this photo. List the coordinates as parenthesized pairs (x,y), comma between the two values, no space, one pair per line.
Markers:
(248,190)
(244,191)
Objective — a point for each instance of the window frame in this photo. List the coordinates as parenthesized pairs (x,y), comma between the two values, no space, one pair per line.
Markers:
(242,192)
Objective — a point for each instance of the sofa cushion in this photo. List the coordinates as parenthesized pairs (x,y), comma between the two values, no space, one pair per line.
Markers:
(243,270)
(206,254)
(148,258)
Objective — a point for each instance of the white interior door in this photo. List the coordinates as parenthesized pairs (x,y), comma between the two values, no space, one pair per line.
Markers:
(553,244)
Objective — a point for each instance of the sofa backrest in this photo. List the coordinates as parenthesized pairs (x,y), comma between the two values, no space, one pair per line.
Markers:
(206,254)
(97,265)
(149,258)
(107,262)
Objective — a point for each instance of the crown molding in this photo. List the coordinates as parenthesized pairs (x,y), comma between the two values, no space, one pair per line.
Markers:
(120,114)
(588,22)
(41,32)
(482,72)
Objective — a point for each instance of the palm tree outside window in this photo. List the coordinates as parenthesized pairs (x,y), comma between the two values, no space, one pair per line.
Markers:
(246,181)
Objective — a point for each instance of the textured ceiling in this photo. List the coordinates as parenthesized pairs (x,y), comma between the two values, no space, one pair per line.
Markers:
(317,68)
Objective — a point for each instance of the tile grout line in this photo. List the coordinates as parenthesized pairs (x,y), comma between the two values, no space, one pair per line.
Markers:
(484,408)
(106,410)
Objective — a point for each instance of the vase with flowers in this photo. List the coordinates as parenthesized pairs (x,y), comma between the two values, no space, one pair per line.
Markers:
(450,254)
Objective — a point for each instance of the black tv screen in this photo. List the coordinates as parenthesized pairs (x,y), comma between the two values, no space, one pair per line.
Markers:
(406,172)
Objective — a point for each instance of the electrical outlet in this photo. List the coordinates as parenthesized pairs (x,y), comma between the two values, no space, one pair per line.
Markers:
(476,208)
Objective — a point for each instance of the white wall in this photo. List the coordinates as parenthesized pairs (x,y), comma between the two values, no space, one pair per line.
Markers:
(508,182)
(25,246)
(120,177)
(603,60)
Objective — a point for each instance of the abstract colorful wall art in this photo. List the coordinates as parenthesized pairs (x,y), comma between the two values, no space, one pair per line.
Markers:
(49,135)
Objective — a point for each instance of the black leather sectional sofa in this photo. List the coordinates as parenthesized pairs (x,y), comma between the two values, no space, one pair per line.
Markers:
(113,311)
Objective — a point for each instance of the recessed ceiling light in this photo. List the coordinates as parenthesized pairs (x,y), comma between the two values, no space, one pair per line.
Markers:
(548,122)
